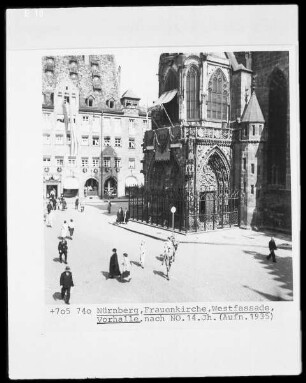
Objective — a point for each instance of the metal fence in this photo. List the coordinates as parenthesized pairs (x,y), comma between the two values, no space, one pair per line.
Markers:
(194,212)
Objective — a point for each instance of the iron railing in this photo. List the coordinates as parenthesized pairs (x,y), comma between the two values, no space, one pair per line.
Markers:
(194,212)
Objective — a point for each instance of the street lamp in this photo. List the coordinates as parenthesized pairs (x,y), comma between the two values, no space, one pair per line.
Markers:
(173,210)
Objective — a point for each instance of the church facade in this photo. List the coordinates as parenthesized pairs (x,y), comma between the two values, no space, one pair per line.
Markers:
(219,147)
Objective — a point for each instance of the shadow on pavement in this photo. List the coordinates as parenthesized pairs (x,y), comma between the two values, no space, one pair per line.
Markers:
(160,258)
(281,270)
(270,297)
(105,274)
(57,296)
(136,263)
(56,260)
(160,273)
(122,280)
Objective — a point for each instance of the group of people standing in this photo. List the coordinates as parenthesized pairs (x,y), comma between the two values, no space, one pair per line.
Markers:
(52,205)
(123,216)
(122,269)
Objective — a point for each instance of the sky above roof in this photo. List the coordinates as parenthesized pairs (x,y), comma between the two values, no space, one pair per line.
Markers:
(139,70)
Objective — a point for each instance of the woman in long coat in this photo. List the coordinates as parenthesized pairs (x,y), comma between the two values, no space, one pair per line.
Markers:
(114,270)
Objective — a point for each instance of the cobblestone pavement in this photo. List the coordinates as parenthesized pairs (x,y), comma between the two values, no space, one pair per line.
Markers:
(227,265)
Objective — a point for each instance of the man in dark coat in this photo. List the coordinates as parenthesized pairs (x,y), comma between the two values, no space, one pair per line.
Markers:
(49,207)
(120,217)
(272,247)
(114,270)
(66,282)
(63,249)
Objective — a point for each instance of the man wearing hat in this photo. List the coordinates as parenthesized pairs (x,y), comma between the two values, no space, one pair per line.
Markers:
(66,282)
(63,249)
(272,247)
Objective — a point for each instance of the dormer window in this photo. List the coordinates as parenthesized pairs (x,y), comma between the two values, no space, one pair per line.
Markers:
(90,101)
(110,103)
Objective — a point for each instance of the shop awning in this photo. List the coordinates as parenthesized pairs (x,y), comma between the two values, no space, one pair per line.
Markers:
(164,98)
(131,181)
(71,183)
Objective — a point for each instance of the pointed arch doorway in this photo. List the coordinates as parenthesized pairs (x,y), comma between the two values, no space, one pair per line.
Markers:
(218,207)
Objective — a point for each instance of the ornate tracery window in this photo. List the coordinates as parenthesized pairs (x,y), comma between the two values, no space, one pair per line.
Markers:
(217,96)
(192,92)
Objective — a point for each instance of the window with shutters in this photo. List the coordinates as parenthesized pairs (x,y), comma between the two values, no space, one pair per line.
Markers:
(192,93)
(217,96)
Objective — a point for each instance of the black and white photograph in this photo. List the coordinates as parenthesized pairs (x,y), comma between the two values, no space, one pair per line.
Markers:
(195,188)
(153,192)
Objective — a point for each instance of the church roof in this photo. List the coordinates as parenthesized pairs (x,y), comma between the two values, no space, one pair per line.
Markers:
(253,111)
(130,94)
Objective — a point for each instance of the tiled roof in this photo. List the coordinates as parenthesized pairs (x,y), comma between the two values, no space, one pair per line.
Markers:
(253,111)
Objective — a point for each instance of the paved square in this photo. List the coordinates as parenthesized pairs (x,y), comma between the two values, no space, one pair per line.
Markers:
(227,265)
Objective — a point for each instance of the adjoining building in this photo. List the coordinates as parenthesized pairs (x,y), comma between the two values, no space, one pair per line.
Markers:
(91,137)
(219,146)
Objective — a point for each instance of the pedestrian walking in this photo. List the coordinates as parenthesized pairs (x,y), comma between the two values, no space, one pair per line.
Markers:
(66,282)
(76,204)
(109,207)
(49,207)
(71,228)
(126,216)
(120,217)
(64,204)
(126,268)
(58,203)
(114,270)
(175,244)
(168,255)
(272,248)
(64,230)
(142,254)
(54,203)
(50,217)
(63,250)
